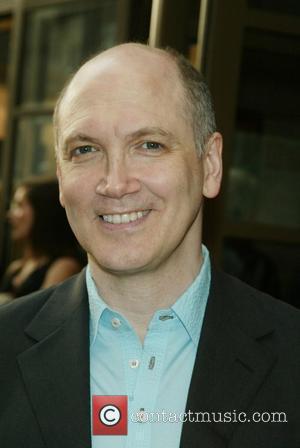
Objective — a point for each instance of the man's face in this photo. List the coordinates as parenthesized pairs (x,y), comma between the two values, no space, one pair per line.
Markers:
(130,179)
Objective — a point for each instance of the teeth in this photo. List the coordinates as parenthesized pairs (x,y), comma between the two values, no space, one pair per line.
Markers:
(124,218)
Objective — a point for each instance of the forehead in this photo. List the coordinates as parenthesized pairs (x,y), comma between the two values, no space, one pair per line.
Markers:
(146,84)
(139,68)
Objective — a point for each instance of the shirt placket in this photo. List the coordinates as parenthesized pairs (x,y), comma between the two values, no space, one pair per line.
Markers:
(147,381)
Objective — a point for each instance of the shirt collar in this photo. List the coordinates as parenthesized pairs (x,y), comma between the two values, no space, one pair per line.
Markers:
(189,307)
(96,305)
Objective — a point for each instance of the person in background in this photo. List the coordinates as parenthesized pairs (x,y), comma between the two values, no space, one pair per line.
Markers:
(49,250)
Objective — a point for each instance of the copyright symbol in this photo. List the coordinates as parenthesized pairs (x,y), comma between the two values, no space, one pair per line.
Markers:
(109,415)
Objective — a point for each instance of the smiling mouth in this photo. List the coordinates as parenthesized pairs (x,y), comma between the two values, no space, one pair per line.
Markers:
(124,218)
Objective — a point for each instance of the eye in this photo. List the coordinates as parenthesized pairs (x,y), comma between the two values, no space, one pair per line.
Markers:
(152,146)
(81,150)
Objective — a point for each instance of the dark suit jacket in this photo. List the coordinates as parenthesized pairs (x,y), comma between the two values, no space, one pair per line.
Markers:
(248,360)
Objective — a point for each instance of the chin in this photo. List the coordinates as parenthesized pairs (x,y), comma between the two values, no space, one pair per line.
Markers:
(120,265)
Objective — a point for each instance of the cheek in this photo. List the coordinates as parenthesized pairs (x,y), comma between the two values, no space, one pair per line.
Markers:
(75,187)
(181,179)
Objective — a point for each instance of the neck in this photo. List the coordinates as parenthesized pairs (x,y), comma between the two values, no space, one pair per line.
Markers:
(29,254)
(128,294)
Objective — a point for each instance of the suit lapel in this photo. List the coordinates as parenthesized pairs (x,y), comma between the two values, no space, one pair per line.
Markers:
(231,363)
(55,370)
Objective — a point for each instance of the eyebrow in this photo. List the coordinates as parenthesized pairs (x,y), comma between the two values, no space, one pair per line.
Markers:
(152,130)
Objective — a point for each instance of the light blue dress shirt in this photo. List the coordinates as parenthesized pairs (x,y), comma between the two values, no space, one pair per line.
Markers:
(155,376)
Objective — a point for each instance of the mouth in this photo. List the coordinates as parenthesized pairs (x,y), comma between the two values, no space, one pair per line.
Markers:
(124,218)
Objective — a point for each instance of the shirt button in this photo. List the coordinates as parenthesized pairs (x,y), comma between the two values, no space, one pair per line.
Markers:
(115,322)
(134,363)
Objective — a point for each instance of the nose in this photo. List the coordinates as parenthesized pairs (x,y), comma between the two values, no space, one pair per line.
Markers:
(118,179)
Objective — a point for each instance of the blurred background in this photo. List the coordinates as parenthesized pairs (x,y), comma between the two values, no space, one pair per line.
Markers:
(249,51)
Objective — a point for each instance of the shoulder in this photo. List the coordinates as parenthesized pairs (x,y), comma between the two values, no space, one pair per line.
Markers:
(249,303)
(15,315)
(68,262)
(60,269)
(238,315)
(14,266)
(35,317)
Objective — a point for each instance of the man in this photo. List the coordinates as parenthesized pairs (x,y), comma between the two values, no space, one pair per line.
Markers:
(215,361)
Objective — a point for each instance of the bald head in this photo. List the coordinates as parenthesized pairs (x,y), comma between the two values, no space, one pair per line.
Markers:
(162,73)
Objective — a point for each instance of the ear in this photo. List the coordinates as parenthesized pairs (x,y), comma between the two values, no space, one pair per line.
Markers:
(61,196)
(212,165)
